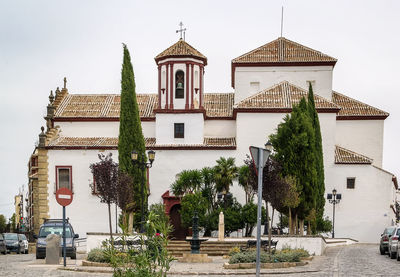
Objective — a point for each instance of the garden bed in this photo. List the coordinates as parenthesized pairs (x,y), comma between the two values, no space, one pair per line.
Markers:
(96,264)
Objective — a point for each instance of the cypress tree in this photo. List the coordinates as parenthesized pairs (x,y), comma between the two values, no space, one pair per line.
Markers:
(294,144)
(130,133)
(319,157)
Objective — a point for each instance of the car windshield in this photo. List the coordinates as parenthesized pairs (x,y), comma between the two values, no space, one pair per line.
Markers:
(389,230)
(22,236)
(11,236)
(57,230)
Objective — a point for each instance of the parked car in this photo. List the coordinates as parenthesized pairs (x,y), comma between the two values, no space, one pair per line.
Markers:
(384,242)
(55,226)
(3,247)
(393,241)
(13,243)
(25,241)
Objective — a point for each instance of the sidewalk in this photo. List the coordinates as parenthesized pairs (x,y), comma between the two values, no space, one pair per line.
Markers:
(202,269)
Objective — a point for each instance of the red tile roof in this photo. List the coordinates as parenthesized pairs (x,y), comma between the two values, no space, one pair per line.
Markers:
(353,109)
(345,156)
(282,97)
(283,50)
(112,143)
(181,49)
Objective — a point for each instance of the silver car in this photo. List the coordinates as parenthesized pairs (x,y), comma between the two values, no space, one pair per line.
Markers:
(393,242)
(25,241)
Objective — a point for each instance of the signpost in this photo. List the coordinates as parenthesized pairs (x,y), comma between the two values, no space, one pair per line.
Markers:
(259,156)
(64,198)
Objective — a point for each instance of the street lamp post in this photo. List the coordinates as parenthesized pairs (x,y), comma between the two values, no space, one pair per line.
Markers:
(143,165)
(334,198)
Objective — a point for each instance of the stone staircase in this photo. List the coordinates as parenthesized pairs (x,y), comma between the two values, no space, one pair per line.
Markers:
(212,248)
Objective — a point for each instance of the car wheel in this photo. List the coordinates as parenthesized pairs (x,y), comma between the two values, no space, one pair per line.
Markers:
(19,251)
(393,255)
(27,251)
(398,258)
(73,257)
(381,250)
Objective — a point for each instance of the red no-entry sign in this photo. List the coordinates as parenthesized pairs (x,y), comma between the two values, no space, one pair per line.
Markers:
(64,196)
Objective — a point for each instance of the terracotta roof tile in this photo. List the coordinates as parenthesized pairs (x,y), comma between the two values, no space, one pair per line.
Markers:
(112,142)
(345,156)
(102,105)
(353,108)
(282,96)
(283,50)
(181,48)
(219,104)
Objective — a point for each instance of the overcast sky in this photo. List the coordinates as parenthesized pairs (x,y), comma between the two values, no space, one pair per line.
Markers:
(42,41)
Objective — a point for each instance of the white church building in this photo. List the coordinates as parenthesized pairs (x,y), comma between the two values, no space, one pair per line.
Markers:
(189,128)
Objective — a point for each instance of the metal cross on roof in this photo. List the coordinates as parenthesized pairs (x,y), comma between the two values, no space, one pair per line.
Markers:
(181,30)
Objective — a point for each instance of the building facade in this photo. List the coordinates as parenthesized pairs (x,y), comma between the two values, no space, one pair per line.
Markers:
(191,129)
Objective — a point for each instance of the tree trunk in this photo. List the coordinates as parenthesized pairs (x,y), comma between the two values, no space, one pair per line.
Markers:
(301,223)
(109,221)
(296,226)
(270,231)
(309,228)
(272,216)
(266,219)
(290,222)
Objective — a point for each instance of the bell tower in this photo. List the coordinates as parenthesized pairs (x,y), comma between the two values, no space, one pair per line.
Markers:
(180,77)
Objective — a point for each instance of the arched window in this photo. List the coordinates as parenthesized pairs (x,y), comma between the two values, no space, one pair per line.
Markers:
(179,84)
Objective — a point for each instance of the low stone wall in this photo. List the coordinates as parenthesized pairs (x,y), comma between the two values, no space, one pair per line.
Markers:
(95,240)
(315,245)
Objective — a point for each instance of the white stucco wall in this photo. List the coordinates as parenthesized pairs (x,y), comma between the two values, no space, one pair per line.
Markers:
(269,76)
(86,213)
(100,129)
(194,128)
(364,211)
(362,136)
(220,128)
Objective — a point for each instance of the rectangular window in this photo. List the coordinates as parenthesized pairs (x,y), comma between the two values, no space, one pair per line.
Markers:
(179,130)
(351,182)
(64,177)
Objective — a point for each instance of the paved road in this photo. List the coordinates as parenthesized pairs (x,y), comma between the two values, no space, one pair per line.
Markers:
(354,260)
(27,266)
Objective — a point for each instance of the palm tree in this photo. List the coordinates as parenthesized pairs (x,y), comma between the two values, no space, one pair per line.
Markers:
(225,172)
(244,182)
(189,181)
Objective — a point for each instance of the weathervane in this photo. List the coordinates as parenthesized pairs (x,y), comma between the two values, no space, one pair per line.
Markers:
(181,30)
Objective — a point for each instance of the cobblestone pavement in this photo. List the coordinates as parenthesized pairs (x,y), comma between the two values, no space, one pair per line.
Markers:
(27,265)
(353,260)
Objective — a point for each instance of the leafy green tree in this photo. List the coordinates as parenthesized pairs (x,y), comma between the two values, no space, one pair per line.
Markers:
(3,224)
(319,157)
(13,221)
(225,173)
(232,216)
(130,132)
(294,144)
(189,204)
